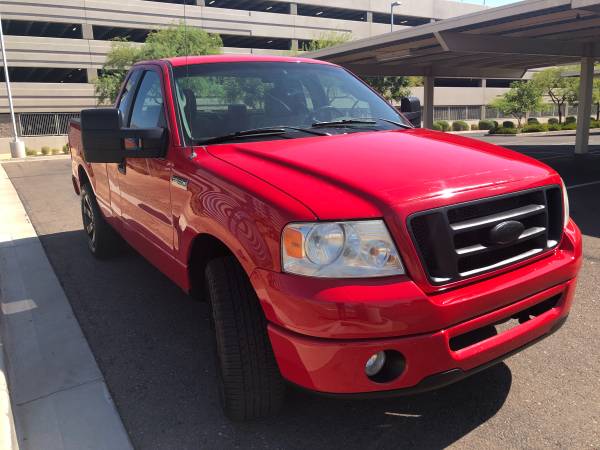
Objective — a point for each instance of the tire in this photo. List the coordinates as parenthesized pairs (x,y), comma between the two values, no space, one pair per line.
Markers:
(102,240)
(250,384)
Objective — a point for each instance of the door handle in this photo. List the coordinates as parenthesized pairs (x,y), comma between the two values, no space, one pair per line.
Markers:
(122,167)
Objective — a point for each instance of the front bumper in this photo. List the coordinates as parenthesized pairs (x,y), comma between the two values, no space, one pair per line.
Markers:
(323,331)
(337,366)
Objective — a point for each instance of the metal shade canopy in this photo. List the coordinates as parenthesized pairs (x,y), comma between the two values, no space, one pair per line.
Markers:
(499,42)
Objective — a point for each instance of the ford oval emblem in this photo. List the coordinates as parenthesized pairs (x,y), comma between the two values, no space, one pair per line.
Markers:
(506,232)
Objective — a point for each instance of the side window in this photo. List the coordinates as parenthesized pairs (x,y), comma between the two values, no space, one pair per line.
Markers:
(148,110)
(127,95)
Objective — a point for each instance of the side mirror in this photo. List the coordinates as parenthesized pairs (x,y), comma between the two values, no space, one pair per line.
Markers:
(410,107)
(106,141)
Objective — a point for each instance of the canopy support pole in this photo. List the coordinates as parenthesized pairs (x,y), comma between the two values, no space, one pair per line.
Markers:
(428,101)
(585,105)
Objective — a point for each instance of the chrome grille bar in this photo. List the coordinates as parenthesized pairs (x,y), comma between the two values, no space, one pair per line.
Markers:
(517,213)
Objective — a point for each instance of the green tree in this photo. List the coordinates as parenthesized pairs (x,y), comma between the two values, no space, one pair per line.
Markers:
(522,97)
(596,96)
(121,56)
(559,88)
(326,40)
(391,88)
(179,40)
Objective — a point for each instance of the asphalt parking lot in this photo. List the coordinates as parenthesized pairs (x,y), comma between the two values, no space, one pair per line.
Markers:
(153,345)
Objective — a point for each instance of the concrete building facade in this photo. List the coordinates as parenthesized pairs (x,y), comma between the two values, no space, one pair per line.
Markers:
(55,48)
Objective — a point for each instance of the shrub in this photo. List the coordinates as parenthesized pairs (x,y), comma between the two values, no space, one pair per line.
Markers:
(30,151)
(534,128)
(554,127)
(65,149)
(508,124)
(55,151)
(594,123)
(504,130)
(486,125)
(460,125)
(552,121)
(444,124)
(570,119)
(569,126)
(474,127)
(532,120)
(496,124)
(45,151)
(436,126)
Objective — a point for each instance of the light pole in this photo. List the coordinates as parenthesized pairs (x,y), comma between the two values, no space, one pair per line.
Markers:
(392,14)
(17,147)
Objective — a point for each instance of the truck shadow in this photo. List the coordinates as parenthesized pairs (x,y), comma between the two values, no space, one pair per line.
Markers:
(154,347)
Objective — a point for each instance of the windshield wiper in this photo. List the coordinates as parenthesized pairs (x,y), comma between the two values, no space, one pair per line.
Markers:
(350,122)
(275,131)
(343,123)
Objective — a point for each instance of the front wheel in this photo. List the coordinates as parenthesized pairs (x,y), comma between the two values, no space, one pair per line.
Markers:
(250,384)
(102,240)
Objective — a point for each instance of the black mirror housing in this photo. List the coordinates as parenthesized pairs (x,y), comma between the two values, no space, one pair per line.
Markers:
(100,135)
(410,107)
(106,141)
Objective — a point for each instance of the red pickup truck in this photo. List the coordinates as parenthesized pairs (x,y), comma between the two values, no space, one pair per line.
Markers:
(341,248)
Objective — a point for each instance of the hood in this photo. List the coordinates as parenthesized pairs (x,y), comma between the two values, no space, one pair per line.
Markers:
(363,175)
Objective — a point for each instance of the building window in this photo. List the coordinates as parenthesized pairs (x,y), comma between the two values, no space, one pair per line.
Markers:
(332,13)
(499,83)
(42,29)
(406,21)
(457,82)
(102,33)
(256,42)
(45,75)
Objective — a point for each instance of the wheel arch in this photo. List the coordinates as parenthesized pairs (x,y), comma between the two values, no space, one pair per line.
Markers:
(203,248)
(82,178)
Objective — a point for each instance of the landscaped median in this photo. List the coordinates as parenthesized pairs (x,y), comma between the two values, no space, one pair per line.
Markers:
(509,127)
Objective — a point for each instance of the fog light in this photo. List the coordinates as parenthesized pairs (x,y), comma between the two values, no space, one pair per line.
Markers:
(374,364)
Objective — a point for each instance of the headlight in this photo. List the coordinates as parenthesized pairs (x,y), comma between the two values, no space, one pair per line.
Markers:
(355,249)
(565,204)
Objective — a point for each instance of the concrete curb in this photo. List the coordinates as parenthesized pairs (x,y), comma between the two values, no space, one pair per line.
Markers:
(57,393)
(8,434)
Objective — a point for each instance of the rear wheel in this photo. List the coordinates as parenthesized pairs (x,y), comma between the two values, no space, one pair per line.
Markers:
(102,240)
(250,384)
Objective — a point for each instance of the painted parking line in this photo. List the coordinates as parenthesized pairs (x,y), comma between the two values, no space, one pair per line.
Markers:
(575,186)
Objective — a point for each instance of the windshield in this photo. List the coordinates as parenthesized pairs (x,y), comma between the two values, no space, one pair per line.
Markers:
(219,99)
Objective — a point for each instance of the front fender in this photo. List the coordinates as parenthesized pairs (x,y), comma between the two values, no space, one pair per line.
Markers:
(246,214)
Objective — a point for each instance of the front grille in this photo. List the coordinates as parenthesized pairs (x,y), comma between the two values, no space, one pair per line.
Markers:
(455,242)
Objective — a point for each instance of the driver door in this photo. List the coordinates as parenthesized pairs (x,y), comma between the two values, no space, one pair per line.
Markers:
(145,182)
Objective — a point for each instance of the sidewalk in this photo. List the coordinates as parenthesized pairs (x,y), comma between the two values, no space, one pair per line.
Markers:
(59,397)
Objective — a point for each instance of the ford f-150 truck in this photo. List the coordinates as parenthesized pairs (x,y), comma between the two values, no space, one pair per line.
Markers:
(340,248)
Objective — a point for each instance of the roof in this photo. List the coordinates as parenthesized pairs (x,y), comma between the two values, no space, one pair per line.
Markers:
(496,43)
(210,59)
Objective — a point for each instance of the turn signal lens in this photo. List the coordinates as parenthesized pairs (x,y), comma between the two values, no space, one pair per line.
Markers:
(293,243)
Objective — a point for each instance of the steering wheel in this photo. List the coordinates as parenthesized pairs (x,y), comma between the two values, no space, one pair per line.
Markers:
(327,113)
(281,102)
